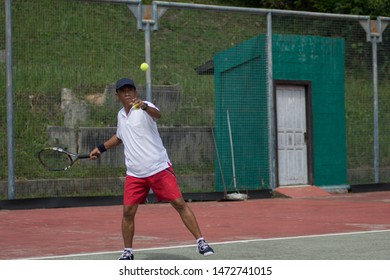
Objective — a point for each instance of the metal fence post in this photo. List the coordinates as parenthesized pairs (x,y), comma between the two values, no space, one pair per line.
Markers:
(374,29)
(148,61)
(271,127)
(376,126)
(10,103)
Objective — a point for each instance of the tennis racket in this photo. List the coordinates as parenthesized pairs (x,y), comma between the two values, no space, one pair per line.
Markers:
(57,159)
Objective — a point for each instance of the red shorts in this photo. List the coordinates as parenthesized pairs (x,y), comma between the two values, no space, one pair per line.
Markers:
(163,184)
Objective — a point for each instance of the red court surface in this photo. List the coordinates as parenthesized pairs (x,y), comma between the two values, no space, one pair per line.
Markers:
(51,232)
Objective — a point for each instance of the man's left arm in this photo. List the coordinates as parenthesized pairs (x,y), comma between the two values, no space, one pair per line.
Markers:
(153,112)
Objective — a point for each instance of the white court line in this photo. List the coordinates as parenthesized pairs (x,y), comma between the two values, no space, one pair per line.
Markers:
(217,243)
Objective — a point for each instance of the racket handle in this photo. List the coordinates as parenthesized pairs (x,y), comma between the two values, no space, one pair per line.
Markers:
(83,156)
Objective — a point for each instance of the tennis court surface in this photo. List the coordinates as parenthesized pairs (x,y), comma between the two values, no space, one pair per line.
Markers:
(348,226)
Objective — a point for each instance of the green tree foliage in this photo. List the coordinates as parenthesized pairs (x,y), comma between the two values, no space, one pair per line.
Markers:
(355,7)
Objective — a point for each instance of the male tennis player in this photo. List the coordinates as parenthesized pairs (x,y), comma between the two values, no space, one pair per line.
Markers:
(147,165)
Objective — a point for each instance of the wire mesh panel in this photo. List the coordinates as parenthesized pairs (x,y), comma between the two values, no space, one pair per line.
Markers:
(3,97)
(383,61)
(67,56)
(241,120)
(192,62)
(358,119)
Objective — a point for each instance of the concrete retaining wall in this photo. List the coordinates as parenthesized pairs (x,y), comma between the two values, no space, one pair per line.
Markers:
(95,186)
(185,145)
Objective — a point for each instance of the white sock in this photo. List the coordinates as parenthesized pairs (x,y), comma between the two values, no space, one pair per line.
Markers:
(199,239)
(130,250)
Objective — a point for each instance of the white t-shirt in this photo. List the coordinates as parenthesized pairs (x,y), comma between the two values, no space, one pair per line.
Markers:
(145,154)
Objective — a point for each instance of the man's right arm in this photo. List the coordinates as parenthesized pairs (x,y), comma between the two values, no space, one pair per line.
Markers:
(101,148)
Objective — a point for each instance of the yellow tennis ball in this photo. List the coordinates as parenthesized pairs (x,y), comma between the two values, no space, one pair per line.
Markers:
(144,66)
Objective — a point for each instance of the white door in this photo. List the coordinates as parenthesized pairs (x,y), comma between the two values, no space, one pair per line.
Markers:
(291,127)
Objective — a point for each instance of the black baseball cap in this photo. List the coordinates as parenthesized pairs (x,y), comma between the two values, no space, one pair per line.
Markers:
(124,82)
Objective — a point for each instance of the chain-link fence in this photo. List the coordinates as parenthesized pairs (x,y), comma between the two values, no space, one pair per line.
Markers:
(383,102)
(210,78)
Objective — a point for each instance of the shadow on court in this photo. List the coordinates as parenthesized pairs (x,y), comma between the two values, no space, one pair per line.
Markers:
(342,226)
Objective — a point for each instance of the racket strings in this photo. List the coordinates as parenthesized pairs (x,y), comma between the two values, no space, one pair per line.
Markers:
(55,160)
